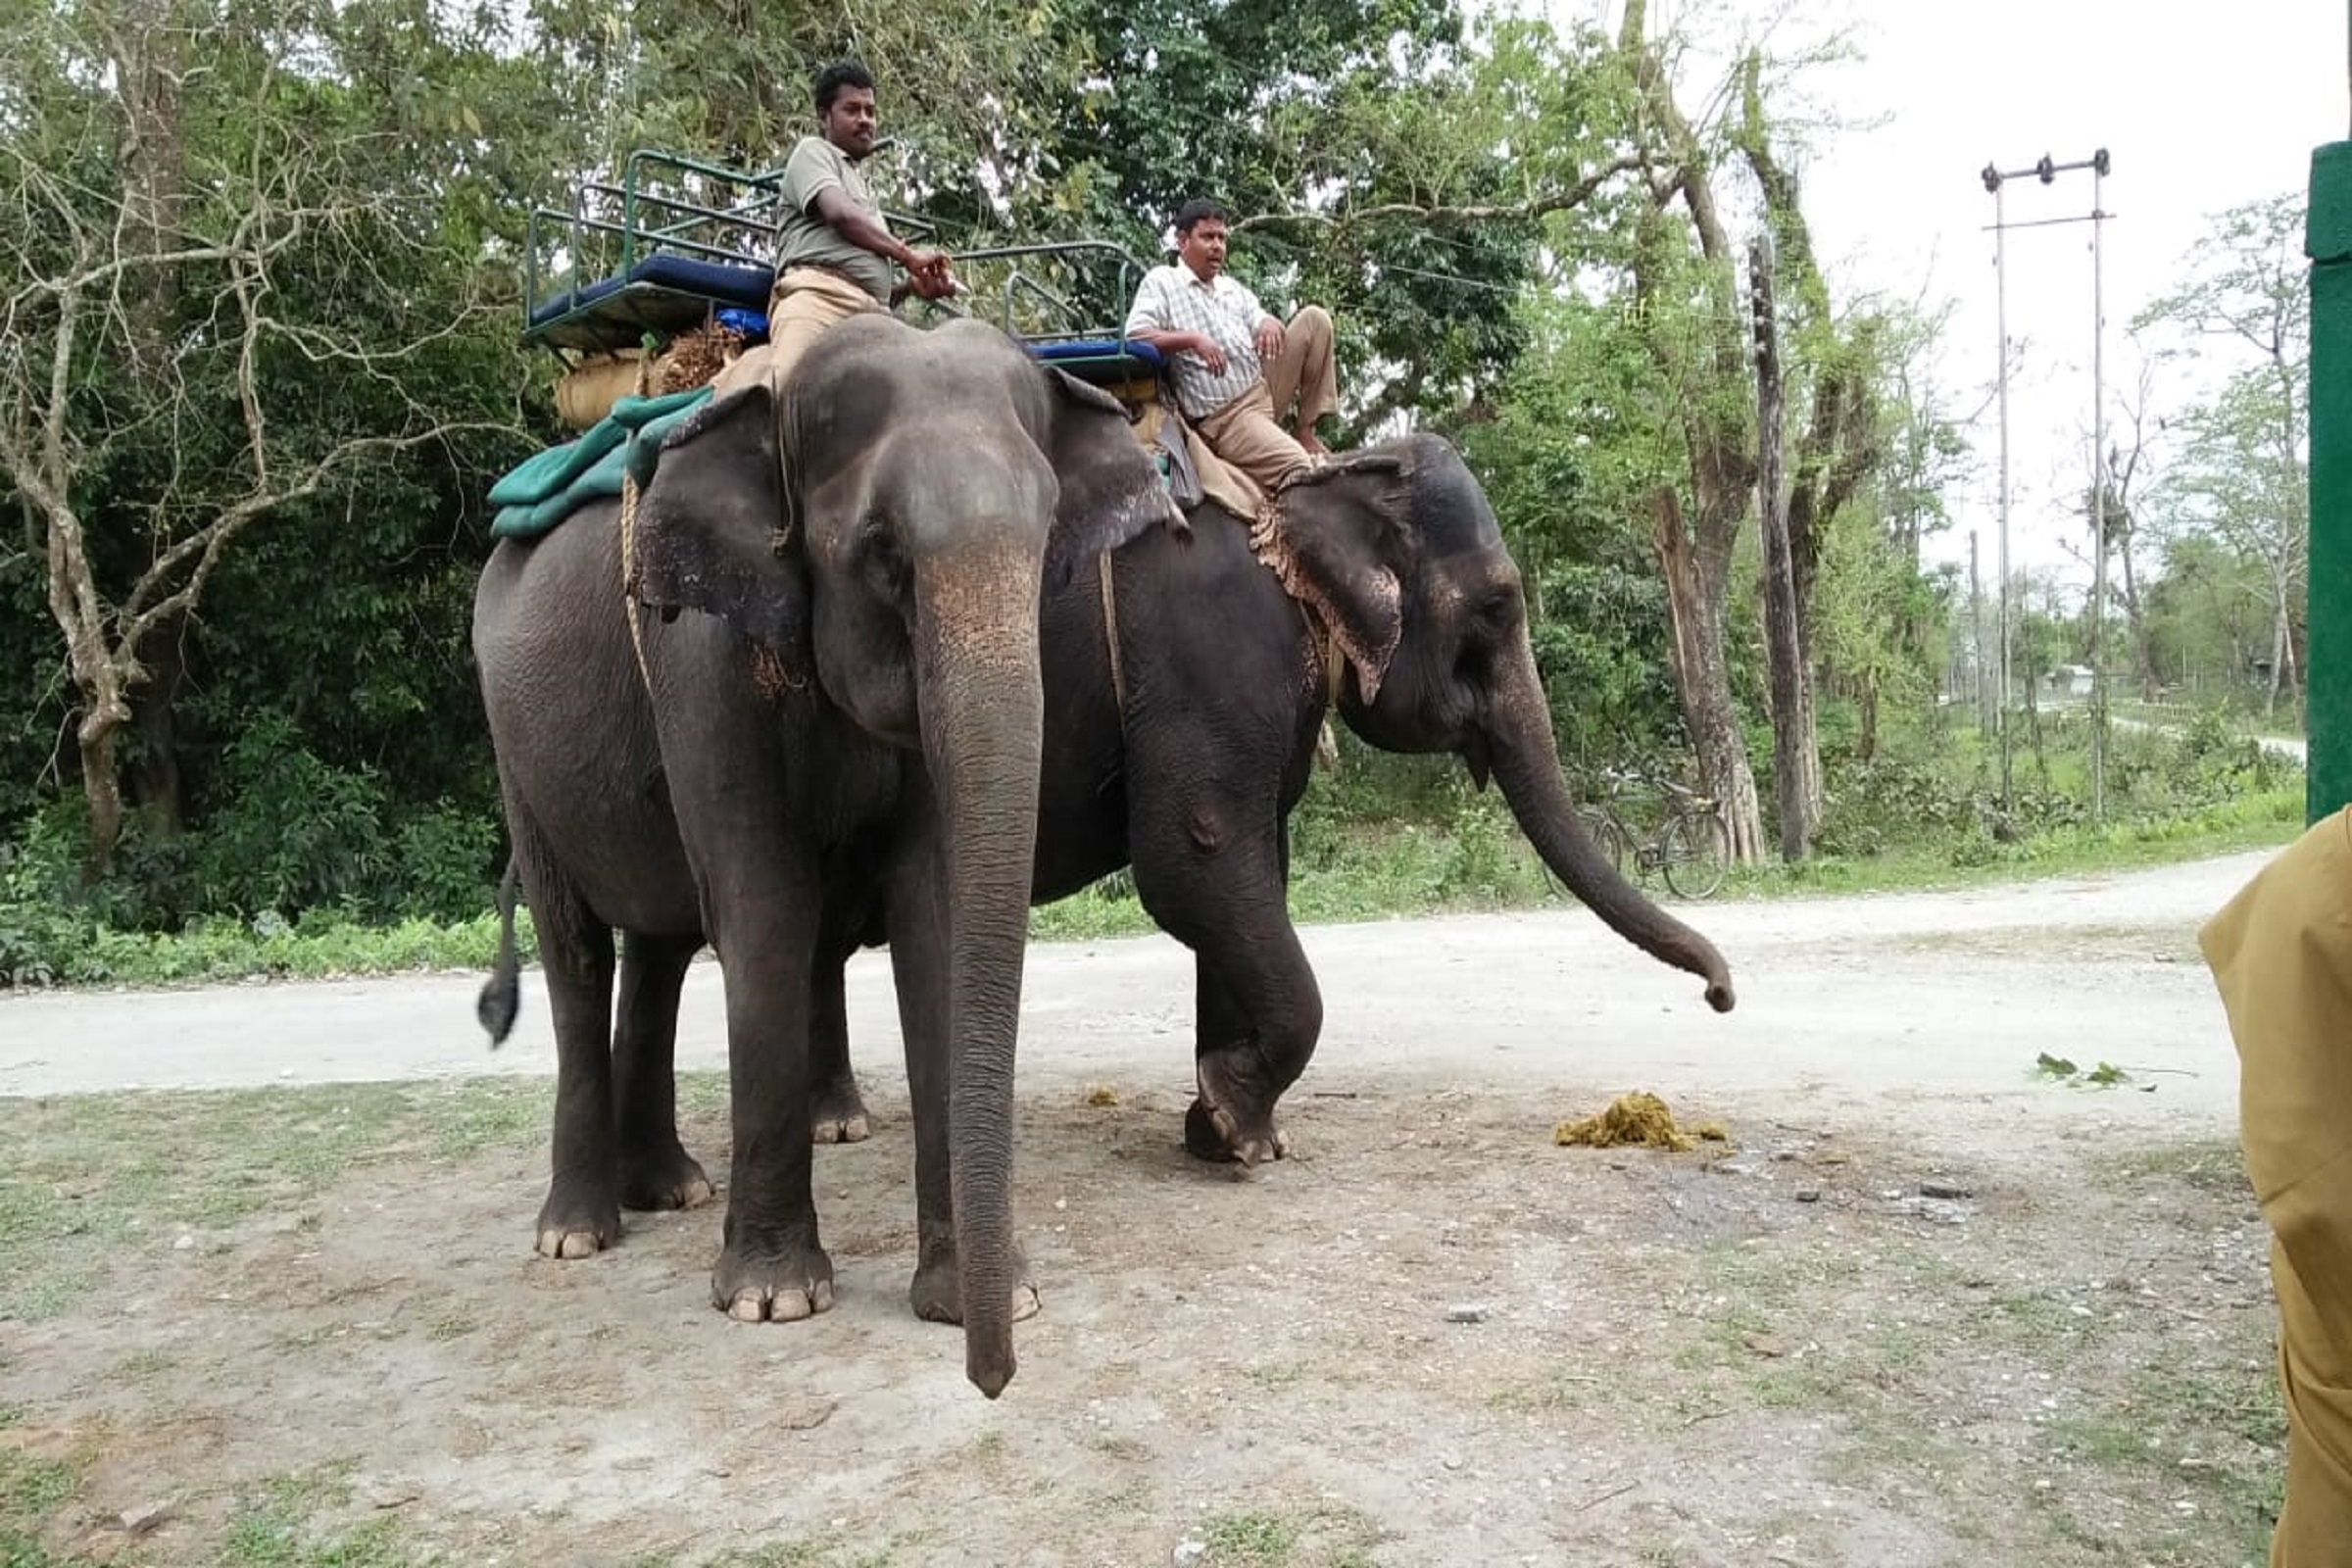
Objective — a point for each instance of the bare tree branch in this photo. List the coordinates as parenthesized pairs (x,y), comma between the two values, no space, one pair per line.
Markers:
(1444,216)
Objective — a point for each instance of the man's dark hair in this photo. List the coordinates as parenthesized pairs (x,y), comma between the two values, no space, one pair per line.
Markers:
(837,75)
(1189,216)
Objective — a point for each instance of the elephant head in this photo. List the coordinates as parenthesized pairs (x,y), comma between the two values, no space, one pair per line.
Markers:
(884,529)
(1397,552)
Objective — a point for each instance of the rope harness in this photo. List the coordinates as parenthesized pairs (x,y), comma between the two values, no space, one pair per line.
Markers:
(1322,643)
(629,544)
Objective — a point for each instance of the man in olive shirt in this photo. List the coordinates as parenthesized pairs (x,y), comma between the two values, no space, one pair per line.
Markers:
(834,249)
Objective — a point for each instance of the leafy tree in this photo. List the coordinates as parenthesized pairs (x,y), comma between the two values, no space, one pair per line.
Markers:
(231,308)
(2240,475)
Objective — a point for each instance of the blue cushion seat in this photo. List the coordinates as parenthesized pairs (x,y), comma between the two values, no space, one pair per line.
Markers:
(663,294)
(1104,362)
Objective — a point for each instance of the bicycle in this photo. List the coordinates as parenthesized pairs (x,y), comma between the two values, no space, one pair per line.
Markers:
(1693,847)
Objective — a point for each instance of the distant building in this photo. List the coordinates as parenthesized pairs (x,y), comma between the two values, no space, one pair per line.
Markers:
(2069,680)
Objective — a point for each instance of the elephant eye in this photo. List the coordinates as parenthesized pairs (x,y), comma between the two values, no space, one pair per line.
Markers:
(879,556)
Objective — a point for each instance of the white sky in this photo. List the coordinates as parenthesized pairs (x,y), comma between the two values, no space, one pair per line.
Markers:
(2217,105)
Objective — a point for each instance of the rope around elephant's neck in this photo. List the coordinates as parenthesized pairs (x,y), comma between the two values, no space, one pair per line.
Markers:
(628,566)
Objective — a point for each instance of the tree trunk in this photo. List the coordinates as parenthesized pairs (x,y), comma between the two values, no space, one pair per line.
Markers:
(2143,646)
(150,64)
(102,790)
(155,787)
(1694,596)
(1796,755)
(2279,655)
(98,681)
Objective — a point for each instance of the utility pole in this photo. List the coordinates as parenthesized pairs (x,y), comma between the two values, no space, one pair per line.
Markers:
(2048,171)
(1985,719)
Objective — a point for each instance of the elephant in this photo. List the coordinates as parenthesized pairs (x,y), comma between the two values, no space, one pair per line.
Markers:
(1183,701)
(824,705)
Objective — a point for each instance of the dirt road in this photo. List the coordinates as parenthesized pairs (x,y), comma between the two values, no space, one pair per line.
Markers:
(1945,992)
(1925,1308)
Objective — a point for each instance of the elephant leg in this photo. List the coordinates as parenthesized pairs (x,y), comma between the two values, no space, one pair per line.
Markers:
(761,912)
(1259,1012)
(918,961)
(581,1215)
(656,1171)
(839,1113)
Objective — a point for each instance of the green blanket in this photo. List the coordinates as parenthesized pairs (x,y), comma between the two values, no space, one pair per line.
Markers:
(544,490)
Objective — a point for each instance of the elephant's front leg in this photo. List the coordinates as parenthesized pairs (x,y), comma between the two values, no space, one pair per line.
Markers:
(1215,884)
(773,1265)
(1258,1013)
(918,961)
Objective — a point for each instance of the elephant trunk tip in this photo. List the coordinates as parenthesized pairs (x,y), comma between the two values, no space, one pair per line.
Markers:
(989,1366)
(1719,994)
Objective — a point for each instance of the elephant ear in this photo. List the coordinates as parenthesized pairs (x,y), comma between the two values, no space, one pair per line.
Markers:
(1339,539)
(1110,488)
(712,526)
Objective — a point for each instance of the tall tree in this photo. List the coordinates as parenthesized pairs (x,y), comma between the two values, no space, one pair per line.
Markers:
(141,450)
(1686,295)
(2242,470)
(1795,757)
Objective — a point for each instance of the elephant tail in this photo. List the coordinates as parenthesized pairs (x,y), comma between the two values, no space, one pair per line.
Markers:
(502,994)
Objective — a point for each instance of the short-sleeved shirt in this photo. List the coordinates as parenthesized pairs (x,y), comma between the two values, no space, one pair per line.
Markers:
(1174,299)
(804,239)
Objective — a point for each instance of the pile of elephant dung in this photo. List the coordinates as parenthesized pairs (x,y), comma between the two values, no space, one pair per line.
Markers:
(1639,1119)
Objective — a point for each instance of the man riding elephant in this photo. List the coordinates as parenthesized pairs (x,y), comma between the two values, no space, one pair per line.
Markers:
(1239,369)
(834,247)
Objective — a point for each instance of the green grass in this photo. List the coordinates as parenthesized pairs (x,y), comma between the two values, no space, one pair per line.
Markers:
(35,1491)
(280,1528)
(1265,1537)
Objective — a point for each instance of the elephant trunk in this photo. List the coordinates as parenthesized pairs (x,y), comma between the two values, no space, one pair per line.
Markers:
(981,711)
(1527,764)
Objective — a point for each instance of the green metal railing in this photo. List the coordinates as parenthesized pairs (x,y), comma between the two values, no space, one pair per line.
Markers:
(649,211)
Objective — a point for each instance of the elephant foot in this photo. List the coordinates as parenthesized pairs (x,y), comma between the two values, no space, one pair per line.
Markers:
(773,1284)
(580,1220)
(840,1115)
(1233,1119)
(937,1294)
(665,1178)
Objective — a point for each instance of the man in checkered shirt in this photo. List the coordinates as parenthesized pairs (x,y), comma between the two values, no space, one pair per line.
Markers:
(1239,370)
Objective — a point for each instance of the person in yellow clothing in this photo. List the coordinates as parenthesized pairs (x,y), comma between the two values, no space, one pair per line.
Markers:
(2281,952)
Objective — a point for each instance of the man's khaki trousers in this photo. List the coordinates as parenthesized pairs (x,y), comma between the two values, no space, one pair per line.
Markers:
(2280,952)
(803,302)
(1249,432)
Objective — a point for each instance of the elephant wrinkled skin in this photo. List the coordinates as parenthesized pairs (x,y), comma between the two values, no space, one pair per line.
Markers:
(838,716)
